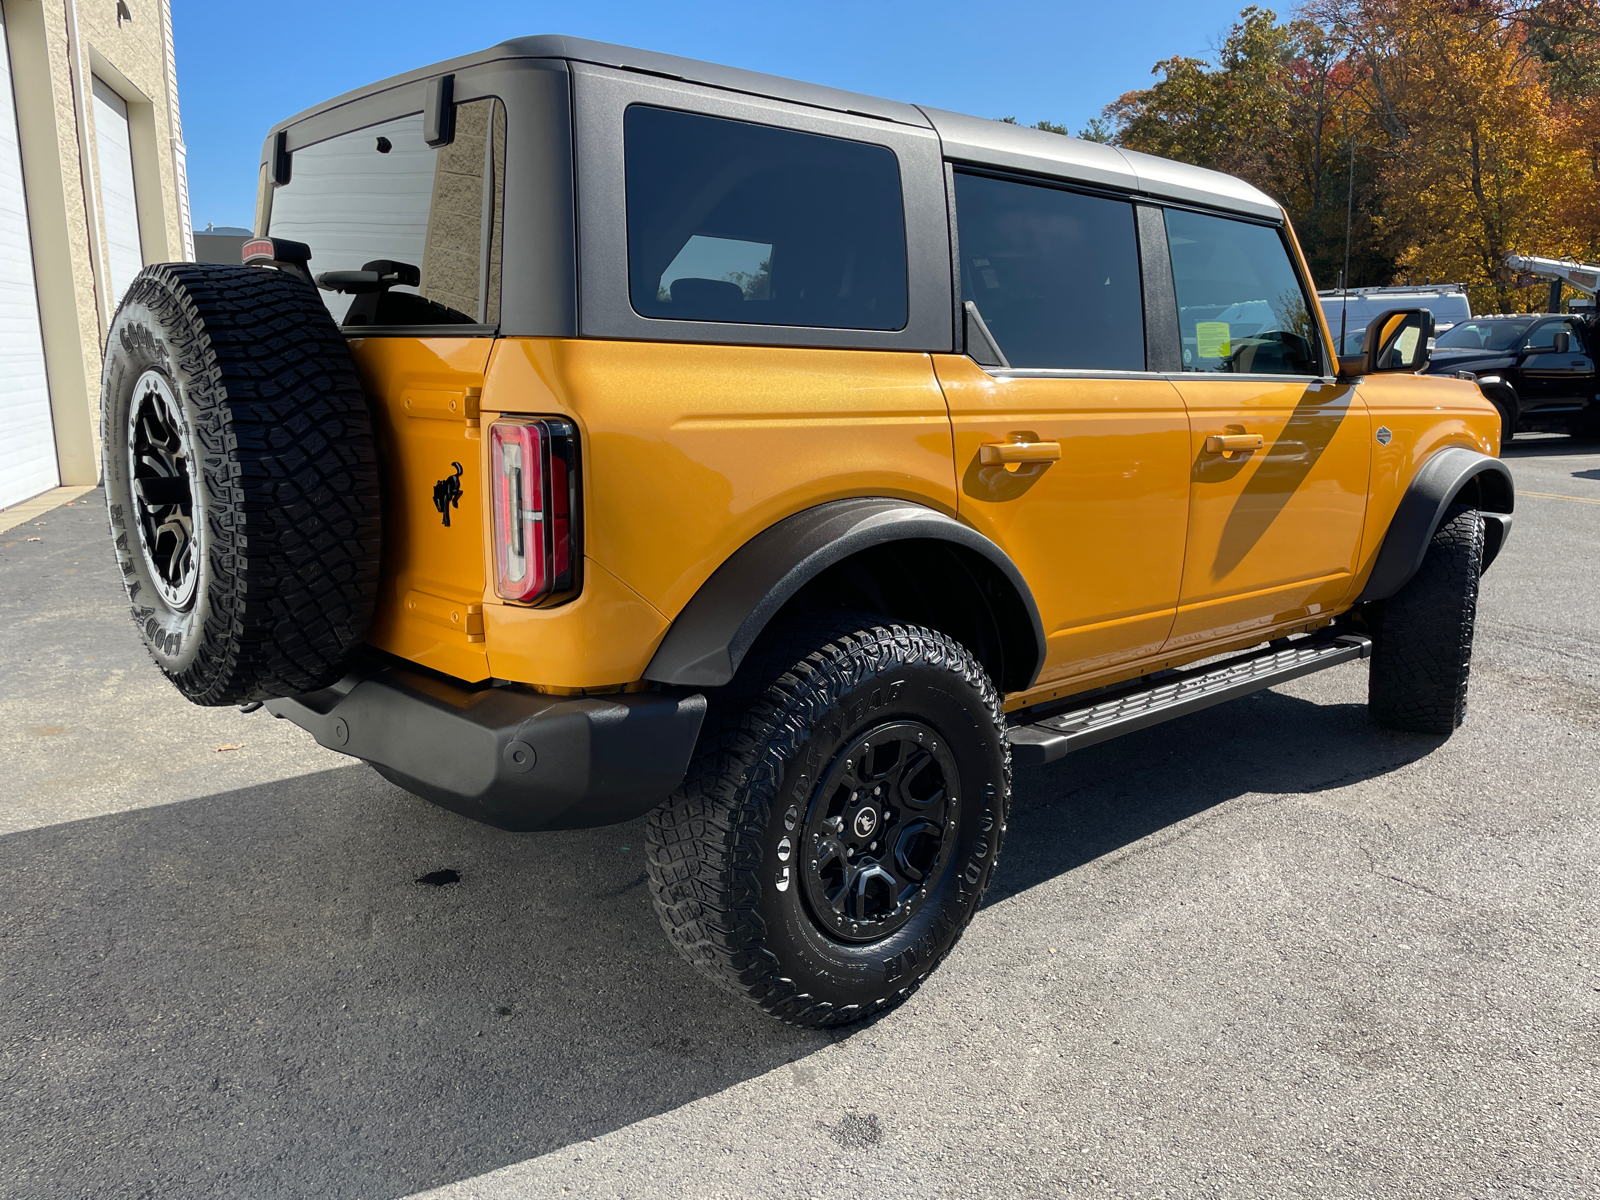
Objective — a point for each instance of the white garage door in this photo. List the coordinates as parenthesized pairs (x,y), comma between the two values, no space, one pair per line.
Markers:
(27,441)
(114,157)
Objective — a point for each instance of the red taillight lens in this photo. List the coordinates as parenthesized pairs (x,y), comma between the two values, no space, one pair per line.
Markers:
(533,468)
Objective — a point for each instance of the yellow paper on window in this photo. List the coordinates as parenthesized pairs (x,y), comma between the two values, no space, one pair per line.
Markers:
(1212,339)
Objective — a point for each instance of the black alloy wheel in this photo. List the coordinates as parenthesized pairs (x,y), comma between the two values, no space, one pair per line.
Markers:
(840,821)
(161,470)
(878,834)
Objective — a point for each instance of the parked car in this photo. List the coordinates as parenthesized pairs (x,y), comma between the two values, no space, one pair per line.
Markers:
(1353,309)
(594,434)
(1538,370)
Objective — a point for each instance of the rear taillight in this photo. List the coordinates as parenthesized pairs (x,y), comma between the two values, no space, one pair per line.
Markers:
(533,471)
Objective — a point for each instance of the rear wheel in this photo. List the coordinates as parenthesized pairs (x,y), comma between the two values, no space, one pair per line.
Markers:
(241,479)
(840,822)
(1422,635)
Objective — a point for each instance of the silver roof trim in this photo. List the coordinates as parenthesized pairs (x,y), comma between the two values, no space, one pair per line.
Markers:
(996,143)
(734,79)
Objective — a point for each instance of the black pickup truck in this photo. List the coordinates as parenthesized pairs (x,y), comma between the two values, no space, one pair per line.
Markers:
(1539,370)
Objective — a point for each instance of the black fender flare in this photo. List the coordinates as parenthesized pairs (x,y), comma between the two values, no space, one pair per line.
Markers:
(1504,397)
(1435,486)
(715,630)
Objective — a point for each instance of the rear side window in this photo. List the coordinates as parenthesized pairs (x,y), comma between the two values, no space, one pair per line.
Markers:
(1054,274)
(382,195)
(1241,308)
(735,222)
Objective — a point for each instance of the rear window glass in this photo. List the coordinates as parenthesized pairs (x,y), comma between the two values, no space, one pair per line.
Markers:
(734,222)
(1241,308)
(1054,274)
(381,195)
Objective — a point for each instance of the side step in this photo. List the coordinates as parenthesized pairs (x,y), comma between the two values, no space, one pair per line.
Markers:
(1178,693)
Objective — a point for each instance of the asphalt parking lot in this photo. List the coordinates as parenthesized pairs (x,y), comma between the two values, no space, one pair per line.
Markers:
(1265,951)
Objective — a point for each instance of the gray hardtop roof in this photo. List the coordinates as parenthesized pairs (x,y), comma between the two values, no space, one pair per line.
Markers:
(965,138)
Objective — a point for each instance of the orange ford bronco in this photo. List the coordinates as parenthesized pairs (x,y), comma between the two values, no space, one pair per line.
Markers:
(590,433)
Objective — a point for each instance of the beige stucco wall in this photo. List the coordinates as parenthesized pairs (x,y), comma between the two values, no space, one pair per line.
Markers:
(56,46)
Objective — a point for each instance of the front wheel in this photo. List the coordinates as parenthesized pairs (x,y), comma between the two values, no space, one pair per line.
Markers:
(840,822)
(1422,635)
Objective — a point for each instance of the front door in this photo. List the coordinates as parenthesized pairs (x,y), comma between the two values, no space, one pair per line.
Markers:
(1096,519)
(1552,379)
(1279,453)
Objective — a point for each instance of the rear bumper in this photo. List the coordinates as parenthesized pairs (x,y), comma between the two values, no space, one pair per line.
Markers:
(507,757)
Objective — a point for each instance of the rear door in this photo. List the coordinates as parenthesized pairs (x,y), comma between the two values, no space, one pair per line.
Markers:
(1099,532)
(1274,532)
(382,193)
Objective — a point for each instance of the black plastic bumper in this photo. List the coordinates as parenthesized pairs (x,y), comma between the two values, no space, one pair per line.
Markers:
(505,756)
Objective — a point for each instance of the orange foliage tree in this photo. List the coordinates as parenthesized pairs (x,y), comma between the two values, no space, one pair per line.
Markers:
(1447,132)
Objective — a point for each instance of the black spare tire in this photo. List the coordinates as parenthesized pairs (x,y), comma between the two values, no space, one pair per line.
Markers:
(241,476)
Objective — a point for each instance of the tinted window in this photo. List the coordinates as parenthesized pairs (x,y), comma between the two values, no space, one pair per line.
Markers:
(1241,308)
(382,193)
(1544,337)
(729,221)
(1055,275)
(1483,335)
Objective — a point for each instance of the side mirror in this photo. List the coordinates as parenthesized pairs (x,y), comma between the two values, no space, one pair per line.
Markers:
(1563,342)
(1397,341)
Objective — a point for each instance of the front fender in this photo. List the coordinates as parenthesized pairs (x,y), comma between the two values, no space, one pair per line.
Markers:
(1437,485)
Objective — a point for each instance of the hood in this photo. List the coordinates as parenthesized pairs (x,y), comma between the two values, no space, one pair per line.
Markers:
(1447,359)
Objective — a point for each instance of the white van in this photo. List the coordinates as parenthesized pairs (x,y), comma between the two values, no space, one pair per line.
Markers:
(1350,311)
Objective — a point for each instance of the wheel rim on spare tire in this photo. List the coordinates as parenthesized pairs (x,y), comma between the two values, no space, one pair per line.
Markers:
(878,832)
(160,468)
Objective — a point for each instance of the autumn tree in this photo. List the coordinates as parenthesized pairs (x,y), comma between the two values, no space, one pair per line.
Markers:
(1446,132)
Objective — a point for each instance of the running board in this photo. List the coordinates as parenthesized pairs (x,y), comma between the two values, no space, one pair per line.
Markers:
(1179,693)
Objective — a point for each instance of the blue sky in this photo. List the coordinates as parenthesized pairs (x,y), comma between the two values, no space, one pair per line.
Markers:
(241,67)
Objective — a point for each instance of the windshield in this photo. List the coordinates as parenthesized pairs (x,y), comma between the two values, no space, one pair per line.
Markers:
(1483,335)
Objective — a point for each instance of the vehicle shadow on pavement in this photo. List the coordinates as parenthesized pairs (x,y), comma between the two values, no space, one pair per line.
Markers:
(251,995)
(1549,447)
(1109,796)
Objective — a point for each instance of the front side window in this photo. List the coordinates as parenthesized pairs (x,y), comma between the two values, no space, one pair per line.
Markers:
(1241,309)
(729,221)
(382,200)
(1544,337)
(1054,274)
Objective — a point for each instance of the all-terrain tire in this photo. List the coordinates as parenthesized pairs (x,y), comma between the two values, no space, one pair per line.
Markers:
(241,479)
(730,851)
(1422,635)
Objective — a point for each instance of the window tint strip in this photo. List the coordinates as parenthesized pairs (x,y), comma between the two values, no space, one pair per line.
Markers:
(1162,345)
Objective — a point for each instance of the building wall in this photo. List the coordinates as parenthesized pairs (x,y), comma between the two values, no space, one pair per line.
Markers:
(57,47)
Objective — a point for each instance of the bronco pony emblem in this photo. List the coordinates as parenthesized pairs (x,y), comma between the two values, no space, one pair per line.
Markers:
(447,492)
